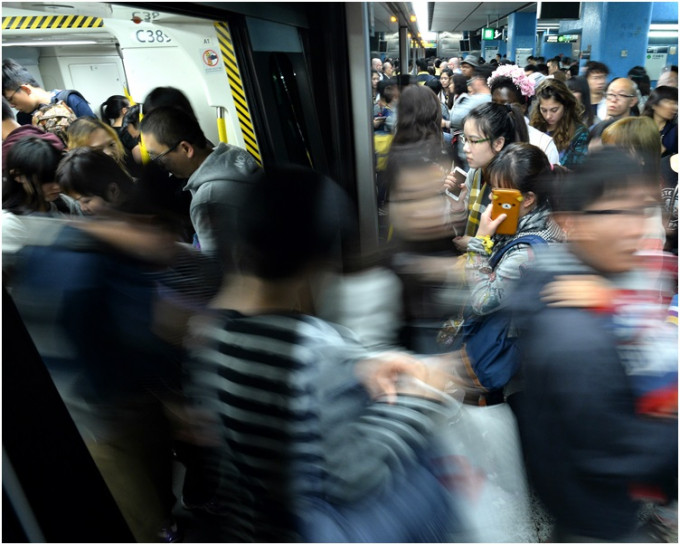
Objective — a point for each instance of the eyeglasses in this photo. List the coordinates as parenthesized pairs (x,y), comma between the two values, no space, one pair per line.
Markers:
(159,157)
(615,96)
(644,211)
(11,97)
(468,140)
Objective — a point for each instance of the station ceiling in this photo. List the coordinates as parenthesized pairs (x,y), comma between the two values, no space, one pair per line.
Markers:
(460,16)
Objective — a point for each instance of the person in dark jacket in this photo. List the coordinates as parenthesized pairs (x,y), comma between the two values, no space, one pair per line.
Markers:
(586,443)
(24,93)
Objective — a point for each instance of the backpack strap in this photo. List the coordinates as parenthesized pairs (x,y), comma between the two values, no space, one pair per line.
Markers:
(63,95)
(531,240)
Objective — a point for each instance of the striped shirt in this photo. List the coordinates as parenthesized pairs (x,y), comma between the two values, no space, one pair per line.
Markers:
(295,421)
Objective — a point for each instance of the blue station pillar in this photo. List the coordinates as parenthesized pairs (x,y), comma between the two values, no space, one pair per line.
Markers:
(521,33)
(616,33)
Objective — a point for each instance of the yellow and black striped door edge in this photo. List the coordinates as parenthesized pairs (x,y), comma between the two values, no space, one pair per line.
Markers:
(237,91)
(42,22)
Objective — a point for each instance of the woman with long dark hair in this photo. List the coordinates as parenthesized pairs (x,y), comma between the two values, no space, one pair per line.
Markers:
(113,110)
(487,130)
(559,114)
(662,107)
(419,117)
(29,184)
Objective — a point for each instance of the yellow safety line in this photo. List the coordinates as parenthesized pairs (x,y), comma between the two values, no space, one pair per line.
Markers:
(51,21)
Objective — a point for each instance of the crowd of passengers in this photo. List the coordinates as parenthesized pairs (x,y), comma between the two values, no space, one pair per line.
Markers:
(502,368)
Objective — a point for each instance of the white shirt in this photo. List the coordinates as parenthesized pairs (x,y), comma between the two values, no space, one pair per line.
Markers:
(544,142)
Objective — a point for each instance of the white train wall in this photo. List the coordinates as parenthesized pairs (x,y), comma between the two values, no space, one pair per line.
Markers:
(135,50)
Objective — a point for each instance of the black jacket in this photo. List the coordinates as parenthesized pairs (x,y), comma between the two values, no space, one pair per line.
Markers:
(584,444)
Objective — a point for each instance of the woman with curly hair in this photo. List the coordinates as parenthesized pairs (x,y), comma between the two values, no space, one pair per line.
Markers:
(559,114)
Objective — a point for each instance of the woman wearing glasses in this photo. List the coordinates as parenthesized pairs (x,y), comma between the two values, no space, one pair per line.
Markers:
(559,114)
(486,131)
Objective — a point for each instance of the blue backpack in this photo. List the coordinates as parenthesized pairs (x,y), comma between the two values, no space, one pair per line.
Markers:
(484,340)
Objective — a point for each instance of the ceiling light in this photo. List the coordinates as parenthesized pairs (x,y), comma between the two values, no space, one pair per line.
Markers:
(413,18)
(393,18)
(663,34)
(51,43)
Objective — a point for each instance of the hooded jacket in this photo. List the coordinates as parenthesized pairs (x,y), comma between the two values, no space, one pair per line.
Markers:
(217,188)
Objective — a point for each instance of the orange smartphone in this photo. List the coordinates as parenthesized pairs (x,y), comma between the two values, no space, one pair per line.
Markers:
(506,201)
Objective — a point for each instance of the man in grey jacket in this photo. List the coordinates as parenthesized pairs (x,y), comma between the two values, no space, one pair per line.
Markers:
(216,177)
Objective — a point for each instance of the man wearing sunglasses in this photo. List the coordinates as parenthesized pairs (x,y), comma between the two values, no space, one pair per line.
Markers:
(24,93)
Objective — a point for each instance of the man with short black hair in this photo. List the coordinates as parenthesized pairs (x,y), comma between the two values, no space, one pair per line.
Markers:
(596,76)
(423,73)
(533,73)
(216,177)
(24,93)
(589,443)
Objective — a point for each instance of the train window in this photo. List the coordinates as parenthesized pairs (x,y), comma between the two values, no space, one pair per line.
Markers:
(268,36)
(289,106)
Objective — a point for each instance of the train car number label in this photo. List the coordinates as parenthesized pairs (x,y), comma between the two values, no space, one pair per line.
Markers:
(146,16)
(149,36)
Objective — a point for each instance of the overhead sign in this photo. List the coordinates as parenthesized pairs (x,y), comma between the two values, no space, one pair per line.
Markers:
(492,33)
(567,38)
(562,39)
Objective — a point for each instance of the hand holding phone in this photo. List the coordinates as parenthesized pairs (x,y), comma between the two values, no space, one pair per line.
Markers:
(459,177)
(508,202)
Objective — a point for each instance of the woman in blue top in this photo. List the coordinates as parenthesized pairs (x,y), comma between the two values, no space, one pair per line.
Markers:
(559,114)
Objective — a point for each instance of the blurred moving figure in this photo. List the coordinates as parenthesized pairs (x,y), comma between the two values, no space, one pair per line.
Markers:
(89,303)
(421,218)
(303,442)
(662,107)
(638,137)
(30,191)
(586,363)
